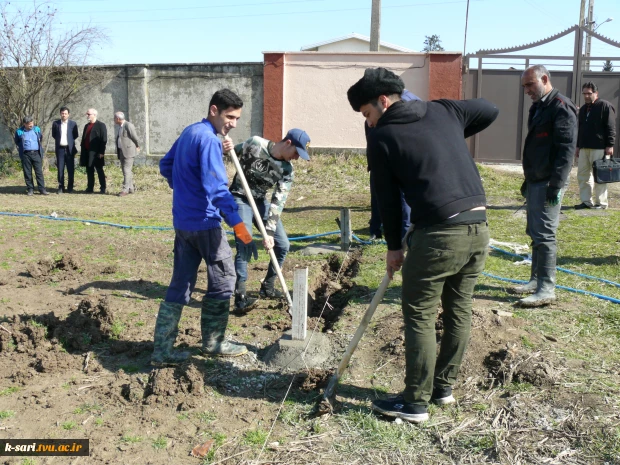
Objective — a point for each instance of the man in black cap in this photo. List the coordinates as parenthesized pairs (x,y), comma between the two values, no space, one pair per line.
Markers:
(419,147)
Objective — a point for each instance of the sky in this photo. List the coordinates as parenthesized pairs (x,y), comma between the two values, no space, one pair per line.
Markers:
(206,31)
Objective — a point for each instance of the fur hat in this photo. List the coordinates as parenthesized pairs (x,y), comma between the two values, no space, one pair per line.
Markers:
(376,82)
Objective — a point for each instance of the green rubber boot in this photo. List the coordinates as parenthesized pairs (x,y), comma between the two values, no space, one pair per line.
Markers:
(213,322)
(166,330)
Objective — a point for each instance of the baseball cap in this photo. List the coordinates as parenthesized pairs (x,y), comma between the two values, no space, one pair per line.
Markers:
(301,140)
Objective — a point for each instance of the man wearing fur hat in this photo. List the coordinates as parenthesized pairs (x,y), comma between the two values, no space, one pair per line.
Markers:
(419,147)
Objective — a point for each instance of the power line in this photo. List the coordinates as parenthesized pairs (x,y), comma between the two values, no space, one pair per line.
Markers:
(228,6)
(254,15)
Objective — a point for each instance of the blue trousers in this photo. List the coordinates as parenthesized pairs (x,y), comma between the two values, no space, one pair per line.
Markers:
(65,158)
(280,239)
(375,218)
(190,248)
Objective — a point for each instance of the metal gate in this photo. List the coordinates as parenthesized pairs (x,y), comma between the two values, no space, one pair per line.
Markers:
(503,141)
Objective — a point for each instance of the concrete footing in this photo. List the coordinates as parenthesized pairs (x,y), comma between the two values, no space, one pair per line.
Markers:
(286,353)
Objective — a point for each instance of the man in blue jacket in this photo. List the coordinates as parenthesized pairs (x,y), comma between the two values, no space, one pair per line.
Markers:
(28,140)
(195,170)
(64,133)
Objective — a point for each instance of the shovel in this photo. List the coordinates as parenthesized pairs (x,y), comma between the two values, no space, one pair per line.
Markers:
(327,402)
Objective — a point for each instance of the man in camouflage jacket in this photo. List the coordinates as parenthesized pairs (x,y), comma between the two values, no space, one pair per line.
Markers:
(266,166)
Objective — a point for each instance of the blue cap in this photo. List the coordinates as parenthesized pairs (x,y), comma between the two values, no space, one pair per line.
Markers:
(301,140)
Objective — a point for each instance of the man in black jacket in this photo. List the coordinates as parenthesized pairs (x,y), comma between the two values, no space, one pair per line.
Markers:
(595,141)
(65,133)
(94,141)
(419,147)
(547,160)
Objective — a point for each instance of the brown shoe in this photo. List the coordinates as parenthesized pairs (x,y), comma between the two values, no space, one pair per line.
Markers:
(123,194)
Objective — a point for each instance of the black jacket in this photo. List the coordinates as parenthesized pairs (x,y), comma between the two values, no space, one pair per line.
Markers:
(419,147)
(597,126)
(72,135)
(98,142)
(549,147)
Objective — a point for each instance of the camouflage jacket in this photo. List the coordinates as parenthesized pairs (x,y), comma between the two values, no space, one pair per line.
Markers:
(262,173)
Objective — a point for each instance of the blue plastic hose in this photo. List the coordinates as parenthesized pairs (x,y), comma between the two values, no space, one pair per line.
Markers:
(565,288)
(563,270)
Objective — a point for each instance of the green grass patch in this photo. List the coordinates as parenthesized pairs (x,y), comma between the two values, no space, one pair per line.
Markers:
(8,391)
(255,437)
(6,414)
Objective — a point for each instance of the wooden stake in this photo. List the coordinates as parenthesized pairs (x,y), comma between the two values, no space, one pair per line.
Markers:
(346,234)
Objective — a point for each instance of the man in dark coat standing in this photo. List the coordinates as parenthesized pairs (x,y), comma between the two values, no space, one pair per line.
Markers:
(548,156)
(65,133)
(595,140)
(94,140)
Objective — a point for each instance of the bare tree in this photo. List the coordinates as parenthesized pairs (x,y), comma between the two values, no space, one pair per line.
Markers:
(432,44)
(608,66)
(42,65)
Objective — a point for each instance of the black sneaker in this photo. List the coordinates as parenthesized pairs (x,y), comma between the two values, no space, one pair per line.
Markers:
(268,291)
(30,192)
(43,192)
(599,207)
(581,206)
(397,408)
(442,396)
(243,302)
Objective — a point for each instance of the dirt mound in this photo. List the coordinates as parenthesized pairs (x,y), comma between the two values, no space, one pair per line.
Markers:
(313,379)
(55,269)
(512,364)
(48,344)
(170,382)
(91,323)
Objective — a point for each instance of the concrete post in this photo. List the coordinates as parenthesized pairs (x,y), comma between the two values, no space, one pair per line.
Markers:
(300,304)
(375,26)
(138,106)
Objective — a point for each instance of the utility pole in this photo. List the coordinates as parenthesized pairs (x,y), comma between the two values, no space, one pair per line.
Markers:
(582,13)
(466,21)
(589,37)
(375,25)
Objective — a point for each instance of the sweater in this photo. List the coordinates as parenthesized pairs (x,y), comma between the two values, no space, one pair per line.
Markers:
(419,147)
(194,169)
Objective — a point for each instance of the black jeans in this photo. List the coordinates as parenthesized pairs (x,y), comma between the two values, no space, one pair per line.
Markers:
(64,158)
(90,173)
(32,159)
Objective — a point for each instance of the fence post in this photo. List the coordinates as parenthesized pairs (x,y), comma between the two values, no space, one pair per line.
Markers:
(300,304)
(345,229)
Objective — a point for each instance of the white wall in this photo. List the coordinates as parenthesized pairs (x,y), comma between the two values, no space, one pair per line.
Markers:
(315,92)
(351,45)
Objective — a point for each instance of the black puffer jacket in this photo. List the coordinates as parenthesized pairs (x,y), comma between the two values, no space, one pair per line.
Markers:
(550,144)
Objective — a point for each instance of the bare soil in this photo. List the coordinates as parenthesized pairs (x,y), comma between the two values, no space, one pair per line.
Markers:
(78,305)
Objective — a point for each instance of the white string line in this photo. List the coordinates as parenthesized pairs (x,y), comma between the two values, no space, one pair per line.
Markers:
(303,354)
